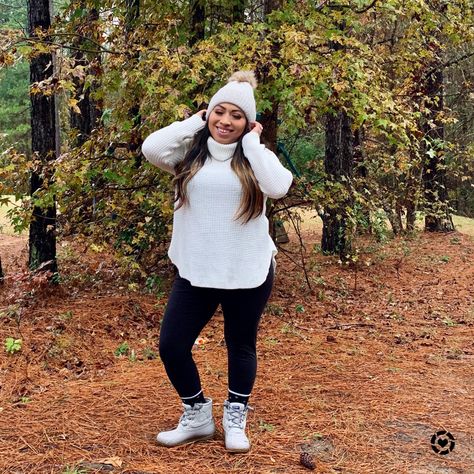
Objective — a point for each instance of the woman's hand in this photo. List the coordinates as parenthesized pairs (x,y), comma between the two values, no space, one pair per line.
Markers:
(202,114)
(256,127)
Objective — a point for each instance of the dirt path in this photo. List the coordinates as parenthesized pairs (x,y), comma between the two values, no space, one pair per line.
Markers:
(360,371)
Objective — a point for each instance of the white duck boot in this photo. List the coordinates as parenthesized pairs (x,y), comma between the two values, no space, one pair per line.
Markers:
(196,424)
(233,422)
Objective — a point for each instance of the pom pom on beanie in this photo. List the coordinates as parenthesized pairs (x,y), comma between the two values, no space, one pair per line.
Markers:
(244,76)
(237,91)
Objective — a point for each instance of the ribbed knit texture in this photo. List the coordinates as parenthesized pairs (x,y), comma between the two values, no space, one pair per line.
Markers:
(208,246)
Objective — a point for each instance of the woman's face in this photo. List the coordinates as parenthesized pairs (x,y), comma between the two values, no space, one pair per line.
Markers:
(227,123)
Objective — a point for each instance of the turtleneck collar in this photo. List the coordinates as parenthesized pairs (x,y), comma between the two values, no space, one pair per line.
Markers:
(219,151)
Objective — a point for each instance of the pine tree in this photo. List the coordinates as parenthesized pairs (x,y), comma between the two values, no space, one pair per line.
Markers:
(42,236)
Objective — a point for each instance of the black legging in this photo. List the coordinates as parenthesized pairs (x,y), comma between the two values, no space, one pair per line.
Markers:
(189,309)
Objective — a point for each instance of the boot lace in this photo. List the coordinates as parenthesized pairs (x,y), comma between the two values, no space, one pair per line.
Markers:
(235,417)
(189,414)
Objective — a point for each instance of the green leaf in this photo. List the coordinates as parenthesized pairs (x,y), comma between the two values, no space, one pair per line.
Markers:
(12,345)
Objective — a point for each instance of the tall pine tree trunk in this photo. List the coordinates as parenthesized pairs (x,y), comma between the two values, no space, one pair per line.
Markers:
(90,110)
(269,118)
(339,167)
(131,20)
(42,236)
(361,172)
(197,16)
(438,218)
(84,120)
(338,164)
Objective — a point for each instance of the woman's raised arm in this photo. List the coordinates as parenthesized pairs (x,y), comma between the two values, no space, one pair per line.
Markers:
(166,147)
(273,178)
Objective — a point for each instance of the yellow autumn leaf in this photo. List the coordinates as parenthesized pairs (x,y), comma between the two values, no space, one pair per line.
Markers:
(34,89)
(97,248)
(73,104)
(339,86)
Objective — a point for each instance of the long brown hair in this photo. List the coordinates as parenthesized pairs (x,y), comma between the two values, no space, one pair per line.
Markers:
(251,202)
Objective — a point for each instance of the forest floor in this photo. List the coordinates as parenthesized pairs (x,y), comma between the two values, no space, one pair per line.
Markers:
(360,370)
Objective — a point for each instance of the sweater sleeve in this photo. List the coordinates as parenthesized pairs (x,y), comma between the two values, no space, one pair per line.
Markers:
(166,147)
(273,178)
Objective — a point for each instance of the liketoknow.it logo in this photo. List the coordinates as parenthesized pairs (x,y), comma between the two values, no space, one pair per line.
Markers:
(442,442)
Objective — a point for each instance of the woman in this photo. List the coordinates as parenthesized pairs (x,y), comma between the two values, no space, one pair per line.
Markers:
(222,249)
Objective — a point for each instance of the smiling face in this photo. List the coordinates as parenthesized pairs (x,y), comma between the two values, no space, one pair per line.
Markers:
(227,123)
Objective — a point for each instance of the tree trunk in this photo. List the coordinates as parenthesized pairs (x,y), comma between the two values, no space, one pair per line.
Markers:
(238,11)
(438,217)
(362,174)
(338,164)
(271,5)
(411,215)
(90,110)
(269,119)
(132,17)
(394,216)
(42,236)
(198,17)
(413,184)
(339,167)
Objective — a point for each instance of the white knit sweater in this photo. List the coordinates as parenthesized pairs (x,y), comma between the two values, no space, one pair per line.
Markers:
(209,247)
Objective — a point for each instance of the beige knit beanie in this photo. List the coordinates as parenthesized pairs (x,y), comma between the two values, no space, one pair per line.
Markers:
(237,91)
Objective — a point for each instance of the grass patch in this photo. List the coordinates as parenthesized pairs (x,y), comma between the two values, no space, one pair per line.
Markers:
(464,225)
(5,227)
(312,222)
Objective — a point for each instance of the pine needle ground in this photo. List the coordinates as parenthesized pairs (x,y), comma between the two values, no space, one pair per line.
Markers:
(360,371)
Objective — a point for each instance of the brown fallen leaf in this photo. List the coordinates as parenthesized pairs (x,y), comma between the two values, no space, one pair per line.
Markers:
(114,461)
